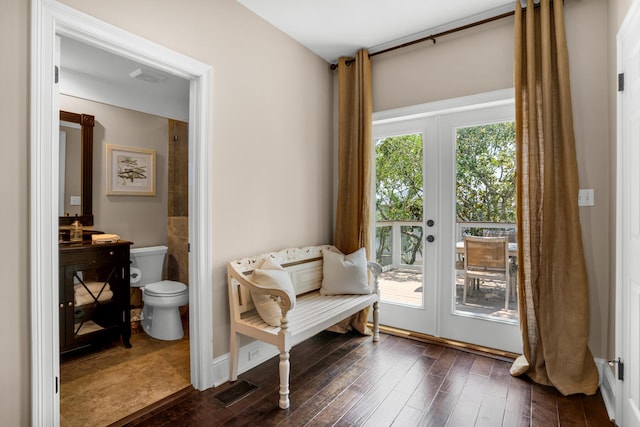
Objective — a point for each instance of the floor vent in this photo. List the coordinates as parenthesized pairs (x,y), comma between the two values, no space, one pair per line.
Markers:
(234,393)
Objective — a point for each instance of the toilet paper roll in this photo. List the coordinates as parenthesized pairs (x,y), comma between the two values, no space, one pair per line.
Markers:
(134,275)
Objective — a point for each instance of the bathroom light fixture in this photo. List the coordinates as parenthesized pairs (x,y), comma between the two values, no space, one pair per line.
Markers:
(147,76)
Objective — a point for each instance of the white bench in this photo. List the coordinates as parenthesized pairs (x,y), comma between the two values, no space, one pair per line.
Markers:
(312,313)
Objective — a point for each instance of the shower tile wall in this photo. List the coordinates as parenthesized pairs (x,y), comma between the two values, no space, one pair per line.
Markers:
(178,224)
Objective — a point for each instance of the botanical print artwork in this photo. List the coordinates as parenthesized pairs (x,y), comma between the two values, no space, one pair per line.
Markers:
(132,171)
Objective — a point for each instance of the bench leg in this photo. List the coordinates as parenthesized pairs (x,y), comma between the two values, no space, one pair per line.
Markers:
(234,354)
(376,326)
(284,380)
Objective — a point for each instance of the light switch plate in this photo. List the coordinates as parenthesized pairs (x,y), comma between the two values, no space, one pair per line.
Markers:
(585,197)
(74,201)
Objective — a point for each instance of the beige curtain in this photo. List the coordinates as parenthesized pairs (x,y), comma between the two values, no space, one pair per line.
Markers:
(354,161)
(552,278)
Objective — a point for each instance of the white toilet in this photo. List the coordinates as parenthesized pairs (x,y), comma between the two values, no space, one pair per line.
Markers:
(160,316)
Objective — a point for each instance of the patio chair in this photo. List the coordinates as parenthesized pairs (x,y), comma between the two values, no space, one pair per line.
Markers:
(511,234)
(486,259)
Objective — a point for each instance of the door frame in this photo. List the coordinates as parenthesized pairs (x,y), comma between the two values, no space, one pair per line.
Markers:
(49,18)
(452,323)
(422,318)
(622,315)
(417,115)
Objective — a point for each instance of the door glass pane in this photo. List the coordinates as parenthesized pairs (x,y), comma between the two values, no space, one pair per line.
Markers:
(399,229)
(486,281)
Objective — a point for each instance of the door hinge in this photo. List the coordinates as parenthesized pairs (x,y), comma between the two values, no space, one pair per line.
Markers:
(620,367)
(55,74)
(56,385)
(621,82)
(188,247)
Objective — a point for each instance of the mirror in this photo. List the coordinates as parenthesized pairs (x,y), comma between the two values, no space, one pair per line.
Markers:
(82,162)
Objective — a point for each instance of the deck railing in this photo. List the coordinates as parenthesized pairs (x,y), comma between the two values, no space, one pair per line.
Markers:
(399,243)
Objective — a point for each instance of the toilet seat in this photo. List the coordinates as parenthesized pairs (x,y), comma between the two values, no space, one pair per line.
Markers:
(165,288)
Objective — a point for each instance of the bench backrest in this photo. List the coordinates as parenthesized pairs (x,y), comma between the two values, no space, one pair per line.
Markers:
(304,265)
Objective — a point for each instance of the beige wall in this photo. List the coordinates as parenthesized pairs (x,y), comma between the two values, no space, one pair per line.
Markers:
(139,219)
(14,252)
(481,60)
(617,11)
(271,144)
(271,128)
(468,62)
(270,125)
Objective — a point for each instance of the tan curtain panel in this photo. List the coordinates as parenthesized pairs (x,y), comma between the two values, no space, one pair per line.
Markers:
(354,161)
(552,277)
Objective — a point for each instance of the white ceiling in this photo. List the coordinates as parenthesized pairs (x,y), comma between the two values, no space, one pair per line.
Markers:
(335,28)
(92,73)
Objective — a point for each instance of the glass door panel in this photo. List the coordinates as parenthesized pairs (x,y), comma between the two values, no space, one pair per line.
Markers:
(399,206)
(405,194)
(478,298)
(486,207)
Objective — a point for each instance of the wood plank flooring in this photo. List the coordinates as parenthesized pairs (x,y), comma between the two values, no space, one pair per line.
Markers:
(346,380)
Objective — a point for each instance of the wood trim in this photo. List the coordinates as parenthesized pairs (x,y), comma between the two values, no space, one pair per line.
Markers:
(86,122)
(49,18)
(158,406)
(470,348)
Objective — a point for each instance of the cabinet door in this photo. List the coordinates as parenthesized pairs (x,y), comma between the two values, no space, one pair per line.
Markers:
(66,307)
(94,296)
(94,302)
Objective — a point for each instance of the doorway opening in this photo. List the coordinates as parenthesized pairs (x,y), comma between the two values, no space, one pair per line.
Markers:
(445,172)
(51,19)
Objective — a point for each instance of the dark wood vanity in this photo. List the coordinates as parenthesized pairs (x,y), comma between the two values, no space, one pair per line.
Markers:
(94,293)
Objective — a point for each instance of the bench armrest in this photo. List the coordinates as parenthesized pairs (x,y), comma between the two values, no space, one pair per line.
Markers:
(281,297)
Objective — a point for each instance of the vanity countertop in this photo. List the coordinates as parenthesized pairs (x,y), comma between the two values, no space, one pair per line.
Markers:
(71,246)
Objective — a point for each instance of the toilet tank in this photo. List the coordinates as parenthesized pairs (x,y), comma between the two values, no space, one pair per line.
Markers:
(150,261)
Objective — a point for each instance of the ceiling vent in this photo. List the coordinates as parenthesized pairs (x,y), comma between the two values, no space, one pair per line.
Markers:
(148,76)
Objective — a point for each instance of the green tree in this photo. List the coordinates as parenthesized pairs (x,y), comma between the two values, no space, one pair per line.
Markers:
(399,191)
(485,173)
(485,182)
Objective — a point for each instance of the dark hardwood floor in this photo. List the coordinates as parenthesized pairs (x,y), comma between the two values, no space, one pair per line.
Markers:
(346,380)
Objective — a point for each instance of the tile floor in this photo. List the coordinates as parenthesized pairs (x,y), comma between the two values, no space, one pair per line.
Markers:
(101,386)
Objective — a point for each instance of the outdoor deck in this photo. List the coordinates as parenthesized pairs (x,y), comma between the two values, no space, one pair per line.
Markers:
(403,286)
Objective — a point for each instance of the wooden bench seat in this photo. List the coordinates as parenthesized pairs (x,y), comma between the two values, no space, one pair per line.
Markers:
(312,313)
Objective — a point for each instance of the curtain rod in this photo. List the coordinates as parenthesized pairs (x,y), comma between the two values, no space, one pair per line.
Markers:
(433,37)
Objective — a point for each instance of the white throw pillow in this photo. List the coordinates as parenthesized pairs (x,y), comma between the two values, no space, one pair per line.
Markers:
(344,274)
(270,275)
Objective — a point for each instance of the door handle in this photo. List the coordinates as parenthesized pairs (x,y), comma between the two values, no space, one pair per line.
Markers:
(430,238)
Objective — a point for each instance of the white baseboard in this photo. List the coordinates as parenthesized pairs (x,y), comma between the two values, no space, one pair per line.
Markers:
(607,386)
(251,355)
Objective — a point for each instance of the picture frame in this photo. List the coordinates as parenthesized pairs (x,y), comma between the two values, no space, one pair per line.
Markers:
(131,171)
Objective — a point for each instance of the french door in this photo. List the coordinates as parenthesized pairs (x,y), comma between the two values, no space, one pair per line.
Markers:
(423,165)
(406,180)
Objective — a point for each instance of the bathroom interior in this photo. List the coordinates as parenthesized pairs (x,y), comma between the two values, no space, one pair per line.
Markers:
(107,376)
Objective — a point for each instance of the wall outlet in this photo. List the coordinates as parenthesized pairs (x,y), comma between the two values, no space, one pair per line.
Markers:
(585,197)
(74,201)
(254,354)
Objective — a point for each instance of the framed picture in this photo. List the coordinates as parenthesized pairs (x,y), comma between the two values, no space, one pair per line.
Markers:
(131,171)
